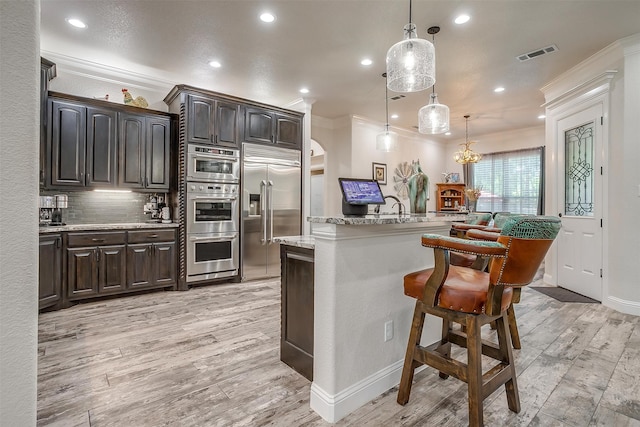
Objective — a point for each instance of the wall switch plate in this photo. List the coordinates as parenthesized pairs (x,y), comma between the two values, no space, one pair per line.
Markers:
(388,330)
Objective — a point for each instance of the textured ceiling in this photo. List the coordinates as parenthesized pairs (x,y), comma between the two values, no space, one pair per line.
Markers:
(319,44)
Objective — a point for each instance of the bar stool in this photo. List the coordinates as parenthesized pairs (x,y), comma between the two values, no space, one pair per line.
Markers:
(474,298)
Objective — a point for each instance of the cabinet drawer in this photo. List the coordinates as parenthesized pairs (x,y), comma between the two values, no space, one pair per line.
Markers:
(96,239)
(150,236)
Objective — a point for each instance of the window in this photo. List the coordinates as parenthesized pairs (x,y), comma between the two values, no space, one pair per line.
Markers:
(511,181)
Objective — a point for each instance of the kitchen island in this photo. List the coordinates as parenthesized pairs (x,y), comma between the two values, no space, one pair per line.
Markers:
(361,317)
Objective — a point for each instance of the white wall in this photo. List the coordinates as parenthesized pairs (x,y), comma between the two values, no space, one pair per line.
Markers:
(19,136)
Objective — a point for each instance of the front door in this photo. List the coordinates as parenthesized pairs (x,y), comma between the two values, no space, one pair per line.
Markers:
(579,200)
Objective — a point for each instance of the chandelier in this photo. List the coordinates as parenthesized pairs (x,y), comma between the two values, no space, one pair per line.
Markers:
(433,118)
(411,63)
(387,140)
(466,155)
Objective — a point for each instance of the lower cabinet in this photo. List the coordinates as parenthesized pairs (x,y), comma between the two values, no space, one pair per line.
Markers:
(50,270)
(151,256)
(296,332)
(115,262)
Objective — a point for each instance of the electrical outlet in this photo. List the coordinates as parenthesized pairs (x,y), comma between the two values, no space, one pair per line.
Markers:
(388,330)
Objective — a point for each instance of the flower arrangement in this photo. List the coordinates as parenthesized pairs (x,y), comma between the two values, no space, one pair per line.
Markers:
(473,193)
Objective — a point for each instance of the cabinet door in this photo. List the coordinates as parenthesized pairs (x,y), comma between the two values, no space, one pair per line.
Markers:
(164,264)
(132,150)
(226,124)
(289,131)
(139,266)
(50,270)
(157,148)
(67,143)
(101,148)
(82,274)
(200,119)
(112,268)
(258,125)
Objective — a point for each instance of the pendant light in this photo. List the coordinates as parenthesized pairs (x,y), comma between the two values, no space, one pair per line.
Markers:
(411,63)
(466,155)
(387,140)
(433,118)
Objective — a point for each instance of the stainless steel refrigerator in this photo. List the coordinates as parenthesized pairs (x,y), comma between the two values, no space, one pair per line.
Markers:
(271,206)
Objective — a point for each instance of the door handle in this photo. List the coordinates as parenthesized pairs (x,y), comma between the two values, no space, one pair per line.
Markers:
(263,208)
(212,239)
(270,190)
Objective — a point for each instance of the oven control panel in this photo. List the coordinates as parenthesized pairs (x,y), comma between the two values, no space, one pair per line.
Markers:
(209,188)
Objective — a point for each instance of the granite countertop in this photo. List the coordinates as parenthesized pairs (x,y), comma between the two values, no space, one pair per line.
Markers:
(116,226)
(378,219)
(308,242)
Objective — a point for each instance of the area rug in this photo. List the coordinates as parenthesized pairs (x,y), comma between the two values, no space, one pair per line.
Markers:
(563,295)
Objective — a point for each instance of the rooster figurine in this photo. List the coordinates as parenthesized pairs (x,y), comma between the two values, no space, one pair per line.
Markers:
(137,102)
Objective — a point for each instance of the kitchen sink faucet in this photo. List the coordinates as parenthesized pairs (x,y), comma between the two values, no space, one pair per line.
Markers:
(398,202)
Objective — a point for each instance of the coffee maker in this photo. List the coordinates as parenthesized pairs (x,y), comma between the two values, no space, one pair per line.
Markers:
(157,208)
(51,209)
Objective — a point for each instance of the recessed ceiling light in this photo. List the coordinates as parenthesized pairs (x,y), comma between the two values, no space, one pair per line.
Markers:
(461,19)
(366,61)
(542,116)
(499,89)
(394,116)
(447,133)
(215,64)
(304,90)
(267,17)
(76,23)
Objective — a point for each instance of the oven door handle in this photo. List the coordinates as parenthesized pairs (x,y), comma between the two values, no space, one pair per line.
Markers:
(217,199)
(212,239)
(263,213)
(270,189)
(230,159)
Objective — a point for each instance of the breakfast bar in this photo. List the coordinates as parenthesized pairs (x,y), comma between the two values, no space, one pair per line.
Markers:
(361,316)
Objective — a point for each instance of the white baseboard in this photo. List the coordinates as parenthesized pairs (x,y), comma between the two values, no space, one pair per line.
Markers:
(623,306)
(333,408)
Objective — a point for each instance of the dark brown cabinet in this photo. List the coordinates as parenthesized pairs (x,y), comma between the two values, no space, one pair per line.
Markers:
(96,264)
(264,126)
(82,146)
(144,152)
(50,270)
(296,332)
(151,259)
(212,121)
(47,73)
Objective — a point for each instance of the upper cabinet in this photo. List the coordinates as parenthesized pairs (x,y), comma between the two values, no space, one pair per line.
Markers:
(264,126)
(98,146)
(212,121)
(144,152)
(215,118)
(47,73)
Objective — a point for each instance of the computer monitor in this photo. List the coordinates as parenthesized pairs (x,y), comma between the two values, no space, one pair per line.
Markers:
(361,191)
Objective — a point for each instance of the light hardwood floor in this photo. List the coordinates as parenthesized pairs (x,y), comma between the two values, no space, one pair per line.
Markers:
(210,357)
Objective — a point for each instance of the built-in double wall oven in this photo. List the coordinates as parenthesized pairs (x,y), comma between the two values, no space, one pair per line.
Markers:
(212,213)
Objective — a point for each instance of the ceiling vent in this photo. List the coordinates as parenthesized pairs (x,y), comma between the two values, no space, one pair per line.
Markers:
(536,53)
(395,98)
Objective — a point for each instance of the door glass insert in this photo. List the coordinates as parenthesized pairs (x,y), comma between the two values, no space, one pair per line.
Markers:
(206,211)
(213,166)
(213,251)
(578,164)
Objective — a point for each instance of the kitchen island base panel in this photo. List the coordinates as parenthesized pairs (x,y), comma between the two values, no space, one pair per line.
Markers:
(359,271)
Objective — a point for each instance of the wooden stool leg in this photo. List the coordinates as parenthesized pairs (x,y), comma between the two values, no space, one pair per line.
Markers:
(511,386)
(513,327)
(445,346)
(474,370)
(404,389)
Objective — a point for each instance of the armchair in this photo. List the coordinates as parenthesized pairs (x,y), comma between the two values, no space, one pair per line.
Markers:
(474,298)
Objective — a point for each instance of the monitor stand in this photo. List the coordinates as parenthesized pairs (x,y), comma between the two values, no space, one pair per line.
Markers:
(354,210)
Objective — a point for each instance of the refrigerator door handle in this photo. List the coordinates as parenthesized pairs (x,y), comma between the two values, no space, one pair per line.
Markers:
(263,214)
(270,190)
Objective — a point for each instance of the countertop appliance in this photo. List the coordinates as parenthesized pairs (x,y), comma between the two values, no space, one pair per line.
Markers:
(271,206)
(51,209)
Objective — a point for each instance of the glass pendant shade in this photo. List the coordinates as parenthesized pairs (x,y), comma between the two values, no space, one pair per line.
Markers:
(411,63)
(387,141)
(433,118)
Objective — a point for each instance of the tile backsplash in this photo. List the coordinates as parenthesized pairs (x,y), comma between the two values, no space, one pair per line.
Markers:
(91,207)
